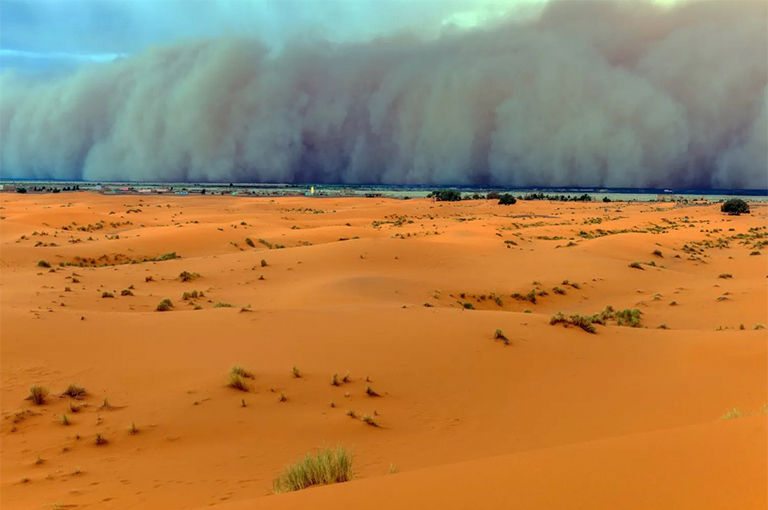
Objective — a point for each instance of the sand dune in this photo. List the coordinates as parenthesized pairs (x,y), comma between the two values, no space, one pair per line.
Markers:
(560,418)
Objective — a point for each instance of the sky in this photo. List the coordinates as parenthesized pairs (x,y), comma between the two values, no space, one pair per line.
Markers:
(37,34)
(612,93)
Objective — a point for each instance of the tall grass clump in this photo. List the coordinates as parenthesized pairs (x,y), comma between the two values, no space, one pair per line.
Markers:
(75,391)
(329,465)
(38,394)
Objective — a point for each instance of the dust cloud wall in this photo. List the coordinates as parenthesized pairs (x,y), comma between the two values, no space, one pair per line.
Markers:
(602,93)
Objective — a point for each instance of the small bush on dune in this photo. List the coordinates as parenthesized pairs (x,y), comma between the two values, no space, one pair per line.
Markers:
(726,276)
(237,382)
(636,265)
(328,466)
(295,372)
(263,263)
(582,321)
(558,290)
(107,295)
(222,305)
(75,391)
(242,372)
(100,440)
(126,292)
(499,335)
(369,420)
(468,306)
(43,263)
(38,394)
(165,305)
(628,317)
(658,253)
(250,242)
(186,276)
(370,392)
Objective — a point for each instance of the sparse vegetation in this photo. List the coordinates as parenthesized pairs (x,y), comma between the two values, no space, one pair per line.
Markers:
(250,242)
(636,265)
(75,391)
(582,321)
(64,419)
(499,335)
(133,429)
(370,392)
(328,466)
(335,380)
(43,263)
(658,253)
(222,305)
(107,295)
(369,420)
(295,372)
(100,440)
(237,382)
(38,394)
(725,276)
(282,397)
(126,292)
(186,276)
(242,372)
(165,305)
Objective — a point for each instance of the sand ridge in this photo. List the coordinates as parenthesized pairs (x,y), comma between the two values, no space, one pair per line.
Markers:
(405,295)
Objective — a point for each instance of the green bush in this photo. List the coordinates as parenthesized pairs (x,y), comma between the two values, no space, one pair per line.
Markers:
(446,195)
(507,199)
(735,206)
(164,306)
(329,465)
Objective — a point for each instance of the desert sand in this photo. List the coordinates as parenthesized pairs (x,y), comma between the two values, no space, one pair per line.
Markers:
(402,295)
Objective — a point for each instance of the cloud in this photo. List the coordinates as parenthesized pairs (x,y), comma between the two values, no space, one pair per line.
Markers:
(603,93)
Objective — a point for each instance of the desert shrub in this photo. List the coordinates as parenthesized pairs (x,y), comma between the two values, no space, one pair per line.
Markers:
(446,195)
(237,382)
(499,335)
(167,256)
(65,419)
(636,265)
(100,440)
(335,380)
(75,391)
(43,263)
(107,295)
(250,242)
(126,292)
(725,276)
(329,465)
(558,290)
(582,321)
(222,305)
(282,397)
(149,279)
(369,420)
(658,253)
(295,372)
(186,296)
(133,429)
(628,317)
(370,392)
(165,305)
(734,206)
(507,199)
(242,372)
(468,306)
(38,394)
(492,195)
(186,276)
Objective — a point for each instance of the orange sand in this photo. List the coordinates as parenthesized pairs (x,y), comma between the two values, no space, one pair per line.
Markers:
(626,418)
